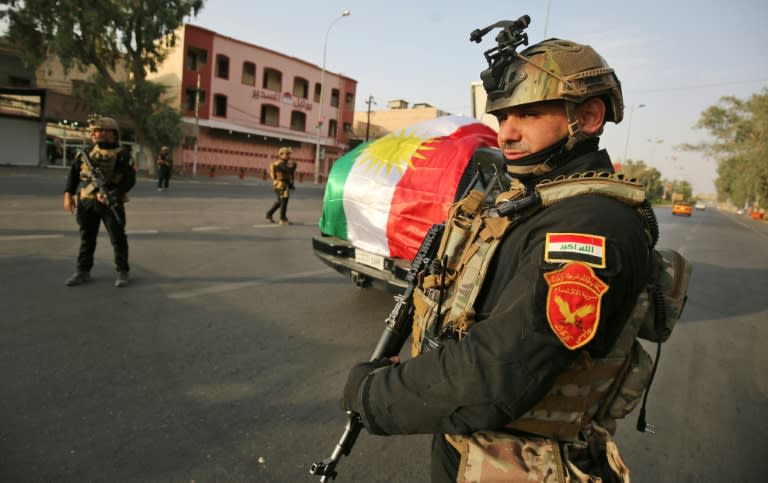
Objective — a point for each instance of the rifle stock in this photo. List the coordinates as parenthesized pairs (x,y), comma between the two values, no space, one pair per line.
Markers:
(398,325)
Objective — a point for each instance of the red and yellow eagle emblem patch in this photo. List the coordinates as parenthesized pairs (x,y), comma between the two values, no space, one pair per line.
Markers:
(573,303)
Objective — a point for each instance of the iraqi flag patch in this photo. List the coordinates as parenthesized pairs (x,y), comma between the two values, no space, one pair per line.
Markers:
(573,303)
(575,247)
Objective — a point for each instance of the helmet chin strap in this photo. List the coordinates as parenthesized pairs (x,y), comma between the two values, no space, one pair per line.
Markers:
(574,128)
(551,157)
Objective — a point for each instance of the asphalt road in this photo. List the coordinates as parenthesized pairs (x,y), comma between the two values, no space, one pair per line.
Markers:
(225,358)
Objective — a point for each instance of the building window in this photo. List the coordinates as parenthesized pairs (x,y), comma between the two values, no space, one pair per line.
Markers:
(347,128)
(300,88)
(332,128)
(317,92)
(249,73)
(335,97)
(350,99)
(270,115)
(298,121)
(222,66)
(196,58)
(189,99)
(273,79)
(220,105)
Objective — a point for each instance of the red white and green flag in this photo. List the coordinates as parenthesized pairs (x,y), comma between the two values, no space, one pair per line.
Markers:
(385,194)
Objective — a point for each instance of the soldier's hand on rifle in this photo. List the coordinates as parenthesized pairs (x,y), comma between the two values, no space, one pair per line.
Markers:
(356,377)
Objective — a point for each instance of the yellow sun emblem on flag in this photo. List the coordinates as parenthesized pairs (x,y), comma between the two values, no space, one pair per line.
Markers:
(393,150)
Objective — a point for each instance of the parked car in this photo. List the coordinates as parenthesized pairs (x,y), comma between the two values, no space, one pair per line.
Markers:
(383,196)
(682,208)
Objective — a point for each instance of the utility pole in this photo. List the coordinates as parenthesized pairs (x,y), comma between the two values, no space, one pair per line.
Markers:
(368,123)
(322,92)
(197,125)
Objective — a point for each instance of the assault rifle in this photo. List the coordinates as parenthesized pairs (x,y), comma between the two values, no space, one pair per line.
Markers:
(397,328)
(96,177)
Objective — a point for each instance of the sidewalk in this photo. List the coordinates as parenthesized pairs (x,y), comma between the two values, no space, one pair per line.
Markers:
(143,176)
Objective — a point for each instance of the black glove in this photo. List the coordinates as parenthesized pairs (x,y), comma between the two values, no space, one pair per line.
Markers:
(356,377)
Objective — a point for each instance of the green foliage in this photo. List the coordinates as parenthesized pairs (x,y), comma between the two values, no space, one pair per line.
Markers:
(117,36)
(648,176)
(738,133)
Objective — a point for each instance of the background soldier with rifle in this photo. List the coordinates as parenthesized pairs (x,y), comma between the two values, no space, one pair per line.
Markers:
(104,173)
(282,172)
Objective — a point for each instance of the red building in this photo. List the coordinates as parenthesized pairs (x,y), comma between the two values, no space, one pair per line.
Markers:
(246,101)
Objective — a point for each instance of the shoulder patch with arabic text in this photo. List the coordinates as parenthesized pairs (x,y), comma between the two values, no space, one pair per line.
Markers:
(573,303)
(575,247)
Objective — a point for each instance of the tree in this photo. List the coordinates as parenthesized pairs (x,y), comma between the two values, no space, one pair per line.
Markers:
(647,176)
(739,143)
(133,34)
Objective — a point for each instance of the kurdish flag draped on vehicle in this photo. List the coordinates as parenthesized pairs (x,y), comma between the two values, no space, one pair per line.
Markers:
(385,194)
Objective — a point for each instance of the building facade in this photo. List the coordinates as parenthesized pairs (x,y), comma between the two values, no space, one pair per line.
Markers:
(241,102)
(398,115)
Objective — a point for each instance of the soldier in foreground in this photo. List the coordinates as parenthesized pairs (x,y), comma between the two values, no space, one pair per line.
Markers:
(525,327)
(105,173)
(282,172)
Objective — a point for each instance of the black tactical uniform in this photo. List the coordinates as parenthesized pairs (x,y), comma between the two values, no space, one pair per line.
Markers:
(164,168)
(511,357)
(282,172)
(116,164)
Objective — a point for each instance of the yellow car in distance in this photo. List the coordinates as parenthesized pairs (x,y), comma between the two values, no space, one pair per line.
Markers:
(682,208)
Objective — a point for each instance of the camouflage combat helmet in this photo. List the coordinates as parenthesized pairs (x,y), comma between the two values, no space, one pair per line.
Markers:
(106,123)
(558,69)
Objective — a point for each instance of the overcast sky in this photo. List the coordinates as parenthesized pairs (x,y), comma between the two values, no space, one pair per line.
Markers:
(675,57)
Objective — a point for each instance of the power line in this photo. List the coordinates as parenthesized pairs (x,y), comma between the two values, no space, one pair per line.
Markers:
(699,86)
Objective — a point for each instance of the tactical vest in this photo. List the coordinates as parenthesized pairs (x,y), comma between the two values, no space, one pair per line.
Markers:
(593,392)
(280,180)
(104,160)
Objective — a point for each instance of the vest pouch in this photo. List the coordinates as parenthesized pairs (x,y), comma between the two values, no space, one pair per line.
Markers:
(633,384)
(423,313)
(458,234)
(594,460)
(671,274)
(491,456)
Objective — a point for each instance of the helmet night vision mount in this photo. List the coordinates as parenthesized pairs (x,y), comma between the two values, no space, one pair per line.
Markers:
(499,78)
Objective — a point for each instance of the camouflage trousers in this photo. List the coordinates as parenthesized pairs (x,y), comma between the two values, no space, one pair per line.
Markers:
(489,456)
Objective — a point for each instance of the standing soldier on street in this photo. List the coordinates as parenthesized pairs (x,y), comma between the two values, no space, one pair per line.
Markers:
(105,173)
(524,345)
(164,167)
(282,172)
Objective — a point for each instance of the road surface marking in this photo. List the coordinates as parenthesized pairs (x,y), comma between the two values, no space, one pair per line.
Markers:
(210,228)
(228,287)
(28,237)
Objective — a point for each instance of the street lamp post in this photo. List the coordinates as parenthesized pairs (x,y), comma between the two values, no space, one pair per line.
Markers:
(368,122)
(322,100)
(629,127)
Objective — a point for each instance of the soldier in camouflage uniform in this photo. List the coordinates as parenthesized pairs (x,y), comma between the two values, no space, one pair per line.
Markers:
(282,172)
(117,167)
(523,384)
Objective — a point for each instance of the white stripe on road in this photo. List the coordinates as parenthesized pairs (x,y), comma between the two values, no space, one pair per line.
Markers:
(228,287)
(142,232)
(210,228)
(29,237)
